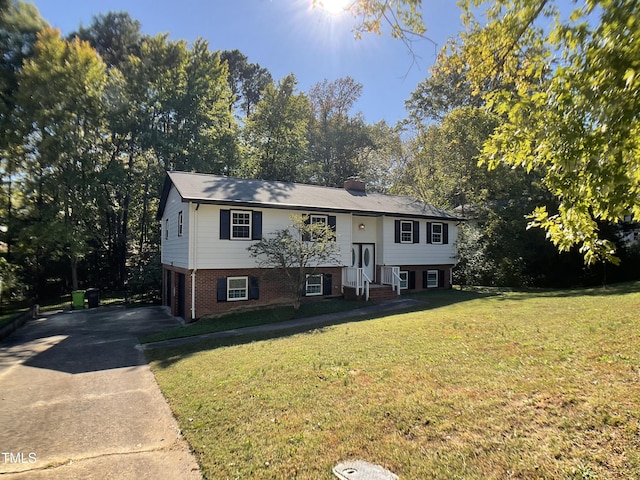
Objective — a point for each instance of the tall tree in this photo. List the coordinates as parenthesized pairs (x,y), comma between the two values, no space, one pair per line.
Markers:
(337,140)
(275,135)
(247,80)
(114,35)
(570,98)
(19,24)
(169,108)
(383,163)
(441,92)
(62,120)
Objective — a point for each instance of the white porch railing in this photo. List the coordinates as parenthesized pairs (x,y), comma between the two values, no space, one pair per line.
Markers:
(391,276)
(356,278)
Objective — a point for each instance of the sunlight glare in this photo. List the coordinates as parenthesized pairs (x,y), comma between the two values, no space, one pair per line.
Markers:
(334,7)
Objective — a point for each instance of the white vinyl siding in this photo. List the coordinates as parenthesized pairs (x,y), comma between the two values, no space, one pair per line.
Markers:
(175,248)
(422,253)
(224,254)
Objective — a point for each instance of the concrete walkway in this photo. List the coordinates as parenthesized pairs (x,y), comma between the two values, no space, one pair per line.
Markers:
(78,400)
(293,325)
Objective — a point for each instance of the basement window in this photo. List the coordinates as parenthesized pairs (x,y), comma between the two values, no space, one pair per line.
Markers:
(237,288)
(432,279)
(313,285)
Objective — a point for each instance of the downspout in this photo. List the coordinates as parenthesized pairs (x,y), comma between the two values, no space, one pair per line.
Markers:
(194,262)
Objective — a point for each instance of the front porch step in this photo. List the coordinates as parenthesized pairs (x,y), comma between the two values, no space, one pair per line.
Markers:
(377,293)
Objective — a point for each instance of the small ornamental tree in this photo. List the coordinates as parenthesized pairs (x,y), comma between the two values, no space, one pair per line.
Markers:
(296,251)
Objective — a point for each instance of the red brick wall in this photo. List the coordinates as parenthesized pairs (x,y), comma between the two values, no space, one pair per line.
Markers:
(271,290)
(446,269)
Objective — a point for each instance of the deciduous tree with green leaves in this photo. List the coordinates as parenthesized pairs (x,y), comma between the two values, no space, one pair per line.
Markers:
(296,252)
(275,134)
(62,125)
(566,79)
(337,138)
(567,84)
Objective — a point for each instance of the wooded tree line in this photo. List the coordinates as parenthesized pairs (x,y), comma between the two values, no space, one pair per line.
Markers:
(91,122)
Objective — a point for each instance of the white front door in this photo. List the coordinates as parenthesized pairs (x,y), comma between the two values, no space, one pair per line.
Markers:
(363,256)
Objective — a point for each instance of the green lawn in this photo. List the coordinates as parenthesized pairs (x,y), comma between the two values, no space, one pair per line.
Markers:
(251,318)
(534,385)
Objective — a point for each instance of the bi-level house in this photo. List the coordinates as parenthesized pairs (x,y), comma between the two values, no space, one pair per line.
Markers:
(388,244)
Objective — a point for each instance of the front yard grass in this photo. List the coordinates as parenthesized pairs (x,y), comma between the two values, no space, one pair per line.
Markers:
(251,318)
(530,385)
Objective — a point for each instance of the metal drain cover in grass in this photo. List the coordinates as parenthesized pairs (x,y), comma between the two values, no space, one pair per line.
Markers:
(359,470)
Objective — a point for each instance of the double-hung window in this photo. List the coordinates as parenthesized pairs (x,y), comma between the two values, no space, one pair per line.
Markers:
(166,229)
(313,219)
(436,233)
(179,224)
(406,232)
(314,285)
(237,288)
(404,280)
(432,279)
(240,224)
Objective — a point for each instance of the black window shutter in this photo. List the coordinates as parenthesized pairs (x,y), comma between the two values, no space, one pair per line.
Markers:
(441,278)
(416,232)
(254,290)
(225,224)
(305,235)
(428,232)
(425,281)
(256,225)
(411,284)
(397,231)
(445,233)
(222,290)
(327,284)
(331,220)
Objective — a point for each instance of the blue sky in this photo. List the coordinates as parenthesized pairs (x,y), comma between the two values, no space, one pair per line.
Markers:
(287,36)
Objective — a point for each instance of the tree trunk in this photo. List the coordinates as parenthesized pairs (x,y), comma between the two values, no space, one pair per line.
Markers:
(74,272)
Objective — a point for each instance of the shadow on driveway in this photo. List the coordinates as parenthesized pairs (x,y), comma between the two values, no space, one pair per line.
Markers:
(87,340)
(79,400)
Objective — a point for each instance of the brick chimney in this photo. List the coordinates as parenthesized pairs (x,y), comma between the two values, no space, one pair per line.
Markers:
(354,185)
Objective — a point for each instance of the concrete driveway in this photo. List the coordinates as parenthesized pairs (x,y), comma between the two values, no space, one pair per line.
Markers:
(78,401)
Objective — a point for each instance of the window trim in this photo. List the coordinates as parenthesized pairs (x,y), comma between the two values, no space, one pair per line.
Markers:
(180,223)
(435,234)
(317,219)
(166,229)
(402,232)
(437,275)
(307,285)
(405,274)
(229,289)
(249,214)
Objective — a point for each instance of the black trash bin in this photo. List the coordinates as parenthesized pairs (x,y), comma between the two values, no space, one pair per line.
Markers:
(93,297)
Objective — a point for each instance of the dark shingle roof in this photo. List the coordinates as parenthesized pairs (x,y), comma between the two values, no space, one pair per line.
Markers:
(217,189)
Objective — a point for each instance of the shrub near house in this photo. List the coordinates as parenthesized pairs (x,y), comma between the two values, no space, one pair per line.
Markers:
(210,221)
